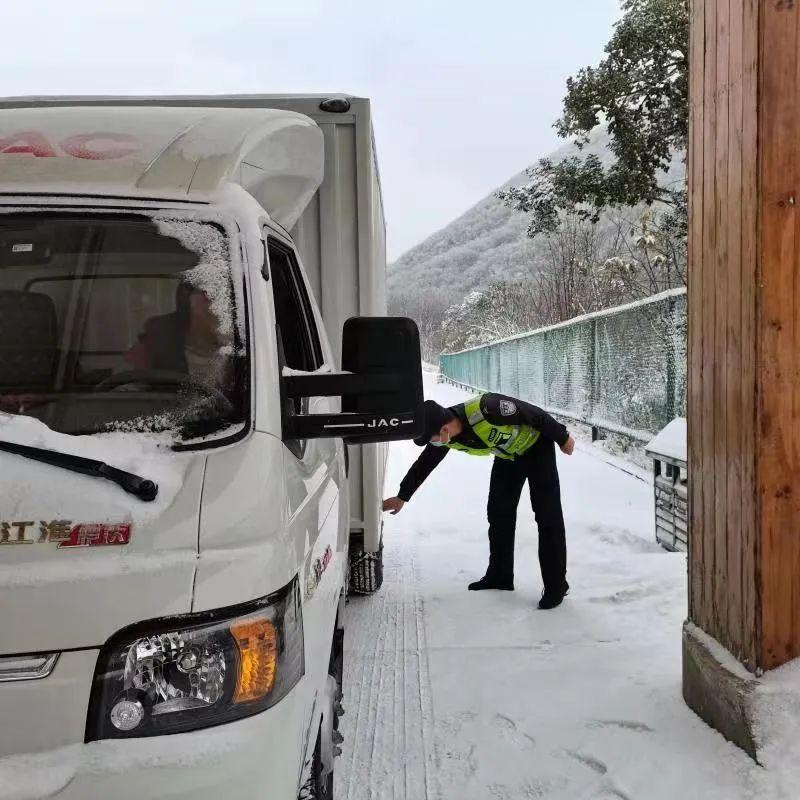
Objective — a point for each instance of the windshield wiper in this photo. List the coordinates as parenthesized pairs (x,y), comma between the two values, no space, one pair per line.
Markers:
(141,487)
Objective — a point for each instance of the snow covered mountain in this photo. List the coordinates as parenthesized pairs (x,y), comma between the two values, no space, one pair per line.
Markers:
(486,243)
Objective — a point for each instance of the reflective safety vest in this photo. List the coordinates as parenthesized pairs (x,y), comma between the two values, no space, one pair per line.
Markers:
(503,441)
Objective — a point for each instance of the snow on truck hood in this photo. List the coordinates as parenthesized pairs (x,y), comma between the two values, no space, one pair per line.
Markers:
(145,455)
(81,558)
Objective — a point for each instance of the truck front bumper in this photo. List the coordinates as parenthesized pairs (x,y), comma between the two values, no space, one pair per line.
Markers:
(257,757)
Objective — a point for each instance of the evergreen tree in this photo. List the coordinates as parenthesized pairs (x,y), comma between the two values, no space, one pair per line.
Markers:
(640,92)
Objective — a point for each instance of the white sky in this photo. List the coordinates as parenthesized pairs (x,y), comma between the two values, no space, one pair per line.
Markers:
(464,92)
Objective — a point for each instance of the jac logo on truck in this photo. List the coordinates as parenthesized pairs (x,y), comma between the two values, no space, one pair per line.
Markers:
(384,423)
(95,146)
(65,533)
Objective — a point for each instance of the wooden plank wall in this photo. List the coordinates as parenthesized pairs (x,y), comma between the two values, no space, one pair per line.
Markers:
(744,327)
(722,294)
(748,281)
(778,461)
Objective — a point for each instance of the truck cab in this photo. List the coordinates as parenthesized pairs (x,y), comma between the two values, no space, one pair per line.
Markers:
(175,508)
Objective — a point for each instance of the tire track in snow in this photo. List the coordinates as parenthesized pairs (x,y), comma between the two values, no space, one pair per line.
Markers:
(425,697)
(389,741)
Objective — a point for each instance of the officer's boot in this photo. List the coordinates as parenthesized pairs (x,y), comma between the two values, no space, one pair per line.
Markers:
(500,572)
(551,598)
(552,555)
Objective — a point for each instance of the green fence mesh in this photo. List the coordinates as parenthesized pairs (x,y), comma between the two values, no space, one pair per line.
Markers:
(623,369)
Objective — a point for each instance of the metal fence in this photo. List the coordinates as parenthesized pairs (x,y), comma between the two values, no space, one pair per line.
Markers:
(620,370)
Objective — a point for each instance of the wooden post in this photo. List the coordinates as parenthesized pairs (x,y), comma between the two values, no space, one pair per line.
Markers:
(744,353)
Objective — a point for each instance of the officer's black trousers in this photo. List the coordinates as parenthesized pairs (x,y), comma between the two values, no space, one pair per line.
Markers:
(538,467)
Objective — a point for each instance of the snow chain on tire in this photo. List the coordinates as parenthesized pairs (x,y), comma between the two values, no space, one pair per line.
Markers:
(366,571)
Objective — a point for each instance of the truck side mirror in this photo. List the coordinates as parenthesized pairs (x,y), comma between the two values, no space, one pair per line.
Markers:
(380,385)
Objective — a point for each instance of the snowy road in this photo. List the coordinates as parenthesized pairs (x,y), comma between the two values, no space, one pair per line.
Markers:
(479,696)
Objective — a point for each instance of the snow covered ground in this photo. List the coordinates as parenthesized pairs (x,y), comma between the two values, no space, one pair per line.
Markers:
(463,695)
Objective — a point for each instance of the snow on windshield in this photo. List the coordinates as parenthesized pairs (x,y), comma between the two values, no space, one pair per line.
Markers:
(212,274)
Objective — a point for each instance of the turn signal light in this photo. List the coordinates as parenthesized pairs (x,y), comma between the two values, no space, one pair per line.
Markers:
(257,640)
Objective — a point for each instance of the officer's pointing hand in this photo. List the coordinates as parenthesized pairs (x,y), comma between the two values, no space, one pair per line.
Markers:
(393,504)
(567,447)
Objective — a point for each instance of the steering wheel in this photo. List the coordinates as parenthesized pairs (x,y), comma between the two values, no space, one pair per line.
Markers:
(149,377)
(161,377)
(155,377)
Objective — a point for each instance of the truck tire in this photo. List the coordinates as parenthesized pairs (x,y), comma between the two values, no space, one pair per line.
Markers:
(319,785)
(366,570)
(323,782)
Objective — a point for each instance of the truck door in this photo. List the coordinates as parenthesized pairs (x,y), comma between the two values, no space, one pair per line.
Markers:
(311,466)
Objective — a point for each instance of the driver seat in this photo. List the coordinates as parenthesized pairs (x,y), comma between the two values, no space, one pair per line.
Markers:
(28,340)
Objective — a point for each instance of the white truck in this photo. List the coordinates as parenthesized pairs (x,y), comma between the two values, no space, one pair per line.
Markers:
(341,240)
(175,512)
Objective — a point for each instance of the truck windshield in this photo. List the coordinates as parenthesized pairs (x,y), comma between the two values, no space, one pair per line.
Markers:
(119,323)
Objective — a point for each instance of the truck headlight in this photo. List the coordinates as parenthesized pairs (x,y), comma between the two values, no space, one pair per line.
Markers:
(198,670)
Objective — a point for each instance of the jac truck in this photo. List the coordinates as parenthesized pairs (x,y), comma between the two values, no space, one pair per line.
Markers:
(197,385)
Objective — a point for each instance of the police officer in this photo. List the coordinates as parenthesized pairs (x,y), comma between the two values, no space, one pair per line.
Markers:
(522,439)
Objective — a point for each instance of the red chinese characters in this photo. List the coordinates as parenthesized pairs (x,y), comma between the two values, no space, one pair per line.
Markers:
(97,535)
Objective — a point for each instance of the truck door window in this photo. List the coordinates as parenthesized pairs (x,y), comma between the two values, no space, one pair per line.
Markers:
(294,316)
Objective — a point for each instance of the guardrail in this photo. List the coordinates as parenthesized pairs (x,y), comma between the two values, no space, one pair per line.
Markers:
(621,370)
